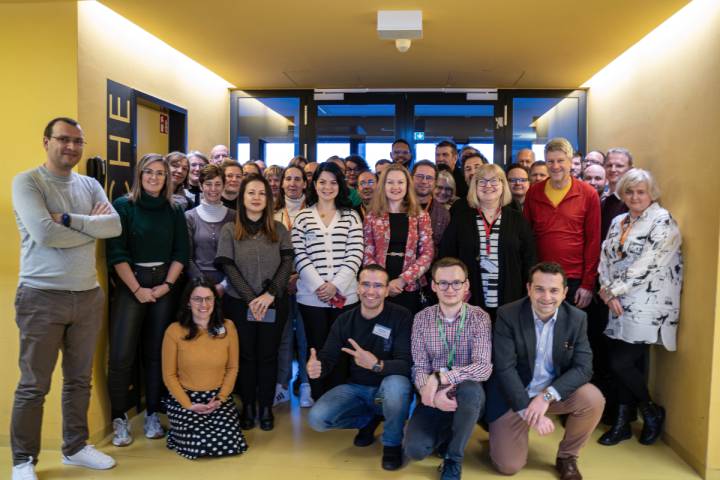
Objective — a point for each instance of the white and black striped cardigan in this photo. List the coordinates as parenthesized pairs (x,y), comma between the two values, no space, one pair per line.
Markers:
(327,254)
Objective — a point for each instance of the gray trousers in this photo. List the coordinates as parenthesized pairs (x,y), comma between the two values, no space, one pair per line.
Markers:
(50,321)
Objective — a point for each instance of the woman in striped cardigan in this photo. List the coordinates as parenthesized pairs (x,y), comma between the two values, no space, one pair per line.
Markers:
(328,242)
(398,236)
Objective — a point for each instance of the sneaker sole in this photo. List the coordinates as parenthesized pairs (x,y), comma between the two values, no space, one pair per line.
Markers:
(67,461)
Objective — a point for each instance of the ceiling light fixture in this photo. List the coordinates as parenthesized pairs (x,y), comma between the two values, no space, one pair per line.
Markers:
(403,26)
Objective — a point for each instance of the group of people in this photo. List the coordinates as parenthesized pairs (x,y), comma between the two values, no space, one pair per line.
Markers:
(494,297)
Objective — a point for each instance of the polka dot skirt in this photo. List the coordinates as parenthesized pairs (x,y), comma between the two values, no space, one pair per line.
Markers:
(194,435)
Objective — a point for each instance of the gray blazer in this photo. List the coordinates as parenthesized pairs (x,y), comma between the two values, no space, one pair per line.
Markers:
(514,343)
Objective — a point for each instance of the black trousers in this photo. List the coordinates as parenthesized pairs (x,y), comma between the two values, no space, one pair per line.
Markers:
(132,324)
(318,321)
(628,364)
(259,344)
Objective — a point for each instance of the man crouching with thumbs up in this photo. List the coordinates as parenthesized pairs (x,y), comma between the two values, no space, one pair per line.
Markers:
(376,336)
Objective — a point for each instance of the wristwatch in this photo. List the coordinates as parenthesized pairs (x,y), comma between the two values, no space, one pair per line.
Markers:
(169,284)
(548,397)
(377,368)
(66,219)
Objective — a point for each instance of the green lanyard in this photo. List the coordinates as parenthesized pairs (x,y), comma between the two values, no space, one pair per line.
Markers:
(441,330)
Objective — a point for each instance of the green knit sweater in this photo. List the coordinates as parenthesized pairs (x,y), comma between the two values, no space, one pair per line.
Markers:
(152,231)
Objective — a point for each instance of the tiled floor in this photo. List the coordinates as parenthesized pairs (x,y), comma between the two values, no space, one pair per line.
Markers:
(294,452)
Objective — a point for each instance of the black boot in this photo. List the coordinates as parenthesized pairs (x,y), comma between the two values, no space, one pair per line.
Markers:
(653,420)
(366,435)
(247,419)
(620,429)
(392,458)
(267,420)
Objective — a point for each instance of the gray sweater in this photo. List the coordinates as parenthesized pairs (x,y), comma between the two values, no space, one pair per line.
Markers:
(52,256)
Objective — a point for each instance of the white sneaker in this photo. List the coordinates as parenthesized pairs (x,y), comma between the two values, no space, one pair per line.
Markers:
(90,457)
(282,395)
(24,471)
(121,432)
(153,429)
(306,400)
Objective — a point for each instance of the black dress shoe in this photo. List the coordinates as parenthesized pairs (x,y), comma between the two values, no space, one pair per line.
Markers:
(267,420)
(247,419)
(620,429)
(567,468)
(366,435)
(392,458)
(653,420)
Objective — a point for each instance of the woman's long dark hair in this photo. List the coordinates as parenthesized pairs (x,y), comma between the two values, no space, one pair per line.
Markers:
(267,219)
(342,201)
(216,323)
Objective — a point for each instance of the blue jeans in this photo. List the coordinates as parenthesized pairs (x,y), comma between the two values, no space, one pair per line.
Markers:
(429,427)
(353,406)
(293,328)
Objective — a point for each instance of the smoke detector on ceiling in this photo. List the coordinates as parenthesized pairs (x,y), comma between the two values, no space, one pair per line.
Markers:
(403,26)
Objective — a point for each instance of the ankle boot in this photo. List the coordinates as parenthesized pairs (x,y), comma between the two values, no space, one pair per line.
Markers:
(267,420)
(653,420)
(620,429)
(247,419)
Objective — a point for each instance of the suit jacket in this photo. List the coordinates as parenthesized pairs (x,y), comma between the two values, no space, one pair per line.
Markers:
(516,251)
(514,341)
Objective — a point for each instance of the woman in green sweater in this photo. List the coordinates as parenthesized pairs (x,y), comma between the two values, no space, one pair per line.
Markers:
(147,259)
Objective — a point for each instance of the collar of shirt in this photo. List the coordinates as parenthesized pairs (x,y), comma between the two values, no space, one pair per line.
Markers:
(540,323)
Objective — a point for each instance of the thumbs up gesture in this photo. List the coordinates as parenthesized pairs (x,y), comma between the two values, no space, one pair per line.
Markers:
(313,367)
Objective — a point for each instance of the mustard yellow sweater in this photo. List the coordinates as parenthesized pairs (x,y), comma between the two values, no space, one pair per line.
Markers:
(201,364)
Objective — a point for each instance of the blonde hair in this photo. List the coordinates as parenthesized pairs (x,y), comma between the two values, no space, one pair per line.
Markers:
(560,144)
(505,196)
(136,190)
(379,203)
(635,176)
(274,170)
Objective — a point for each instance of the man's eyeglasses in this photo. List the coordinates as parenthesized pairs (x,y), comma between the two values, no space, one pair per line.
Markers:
(78,142)
(456,284)
(369,285)
(401,152)
(518,180)
(420,177)
(367,183)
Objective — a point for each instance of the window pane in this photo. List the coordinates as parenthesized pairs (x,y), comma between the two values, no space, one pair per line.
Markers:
(355,125)
(372,152)
(537,120)
(327,150)
(279,153)
(425,151)
(243,154)
(463,124)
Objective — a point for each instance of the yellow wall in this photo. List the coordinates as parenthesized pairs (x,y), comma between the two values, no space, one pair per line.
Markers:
(661,100)
(149,137)
(38,82)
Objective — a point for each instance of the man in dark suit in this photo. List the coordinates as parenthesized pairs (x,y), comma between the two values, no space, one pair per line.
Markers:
(543,364)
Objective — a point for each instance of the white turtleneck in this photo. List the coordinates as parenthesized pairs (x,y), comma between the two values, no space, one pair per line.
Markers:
(211,212)
(294,206)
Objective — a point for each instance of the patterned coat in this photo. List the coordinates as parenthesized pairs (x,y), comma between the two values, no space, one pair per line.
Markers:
(645,274)
(418,250)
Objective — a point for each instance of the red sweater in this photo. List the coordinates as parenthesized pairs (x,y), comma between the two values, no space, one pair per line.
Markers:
(568,234)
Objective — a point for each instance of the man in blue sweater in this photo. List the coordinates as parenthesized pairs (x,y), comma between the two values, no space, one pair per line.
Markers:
(59,304)
(376,337)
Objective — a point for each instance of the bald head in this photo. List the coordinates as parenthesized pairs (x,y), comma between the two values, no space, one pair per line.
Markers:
(218,154)
(525,157)
(595,176)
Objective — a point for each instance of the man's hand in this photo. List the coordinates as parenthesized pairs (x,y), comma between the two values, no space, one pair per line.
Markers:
(545,426)
(536,410)
(313,367)
(145,295)
(443,402)
(428,391)
(101,208)
(159,291)
(583,297)
(363,358)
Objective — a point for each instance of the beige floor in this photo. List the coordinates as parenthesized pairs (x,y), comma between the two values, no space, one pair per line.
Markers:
(294,452)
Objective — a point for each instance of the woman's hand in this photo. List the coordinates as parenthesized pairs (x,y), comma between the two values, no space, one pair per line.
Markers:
(145,295)
(213,405)
(326,292)
(200,408)
(396,286)
(615,306)
(219,289)
(159,291)
(259,306)
(292,284)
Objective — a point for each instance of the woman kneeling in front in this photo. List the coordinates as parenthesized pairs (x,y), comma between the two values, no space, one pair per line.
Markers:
(200,364)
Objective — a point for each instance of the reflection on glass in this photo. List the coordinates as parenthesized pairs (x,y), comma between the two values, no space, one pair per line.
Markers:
(537,120)
(355,126)
(269,128)
(463,124)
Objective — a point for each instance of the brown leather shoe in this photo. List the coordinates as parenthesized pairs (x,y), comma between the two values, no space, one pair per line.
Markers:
(567,468)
